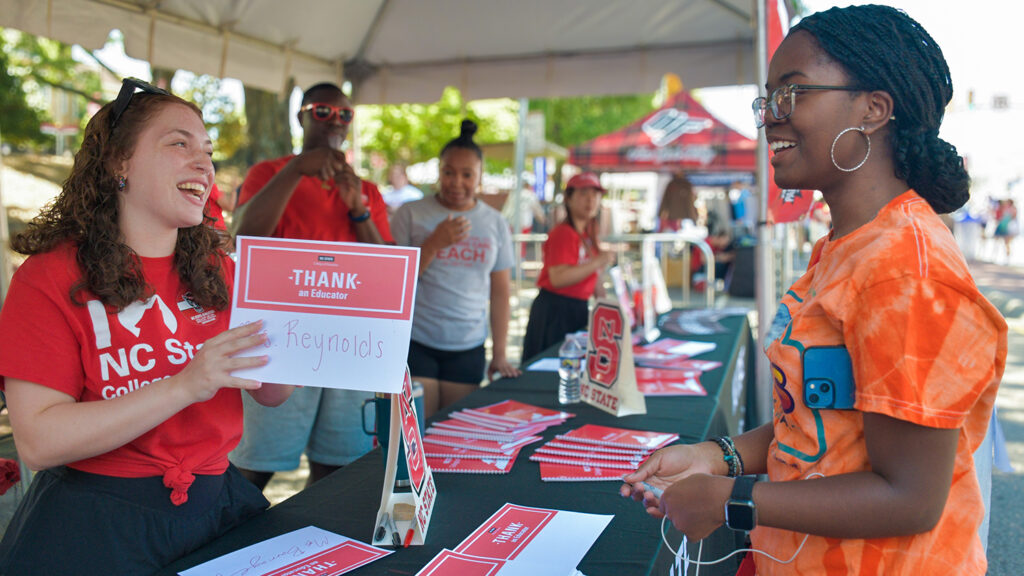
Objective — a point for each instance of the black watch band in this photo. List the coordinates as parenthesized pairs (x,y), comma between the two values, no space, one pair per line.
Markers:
(740,512)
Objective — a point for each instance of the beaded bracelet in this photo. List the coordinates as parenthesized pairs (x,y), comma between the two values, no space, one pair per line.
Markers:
(730,455)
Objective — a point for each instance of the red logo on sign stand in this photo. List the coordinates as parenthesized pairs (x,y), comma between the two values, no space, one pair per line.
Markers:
(605,351)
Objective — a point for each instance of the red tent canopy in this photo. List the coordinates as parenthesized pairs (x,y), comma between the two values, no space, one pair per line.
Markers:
(680,134)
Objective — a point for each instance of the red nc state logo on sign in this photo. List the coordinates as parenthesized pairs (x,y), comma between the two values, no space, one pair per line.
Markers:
(605,350)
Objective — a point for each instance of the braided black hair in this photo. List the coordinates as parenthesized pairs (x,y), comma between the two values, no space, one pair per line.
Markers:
(882,48)
(465,140)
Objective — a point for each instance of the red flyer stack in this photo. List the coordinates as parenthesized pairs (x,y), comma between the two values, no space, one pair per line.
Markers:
(486,440)
(666,367)
(593,452)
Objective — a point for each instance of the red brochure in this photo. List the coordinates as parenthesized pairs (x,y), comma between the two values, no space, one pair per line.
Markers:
(658,382)
(516,412)
(449,563)
(439,451)
(569,444)
(592,455)
(619,437)
(552,472)
(505,534)
(496,464)
(619,464)
(479,444)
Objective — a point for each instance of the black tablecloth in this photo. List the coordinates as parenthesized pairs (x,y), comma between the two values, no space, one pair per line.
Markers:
(346,502)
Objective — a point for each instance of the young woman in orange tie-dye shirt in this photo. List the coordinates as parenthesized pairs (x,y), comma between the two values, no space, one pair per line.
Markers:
(856,96)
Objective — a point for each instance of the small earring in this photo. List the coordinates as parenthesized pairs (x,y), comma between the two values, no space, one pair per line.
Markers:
(121,183)
(832,153)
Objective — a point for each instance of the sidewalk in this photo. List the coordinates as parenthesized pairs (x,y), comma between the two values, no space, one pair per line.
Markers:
(1004,287)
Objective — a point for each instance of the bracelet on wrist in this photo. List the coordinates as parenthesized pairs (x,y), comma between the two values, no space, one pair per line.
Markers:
(730,455)
(361,218)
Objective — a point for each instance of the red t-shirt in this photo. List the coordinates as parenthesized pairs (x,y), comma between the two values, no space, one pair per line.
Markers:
(313,213)
(214,210)
(566,246)
(93,355)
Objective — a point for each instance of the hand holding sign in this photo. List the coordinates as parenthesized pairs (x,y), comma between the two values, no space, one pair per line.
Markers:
(211,368)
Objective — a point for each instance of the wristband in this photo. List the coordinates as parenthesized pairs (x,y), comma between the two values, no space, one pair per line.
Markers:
(361,218)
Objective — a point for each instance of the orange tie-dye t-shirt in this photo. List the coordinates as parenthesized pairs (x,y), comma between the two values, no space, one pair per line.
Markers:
(925,346)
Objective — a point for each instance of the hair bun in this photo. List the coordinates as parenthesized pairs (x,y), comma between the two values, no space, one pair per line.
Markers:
(467,130)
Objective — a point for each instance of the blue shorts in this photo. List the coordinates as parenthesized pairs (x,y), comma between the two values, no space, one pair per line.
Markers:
(89,524)
(326,423)
(460,366)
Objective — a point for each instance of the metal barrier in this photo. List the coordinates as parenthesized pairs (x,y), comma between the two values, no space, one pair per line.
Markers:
(647,243)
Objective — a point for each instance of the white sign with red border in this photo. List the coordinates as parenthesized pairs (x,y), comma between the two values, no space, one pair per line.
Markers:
(338,314)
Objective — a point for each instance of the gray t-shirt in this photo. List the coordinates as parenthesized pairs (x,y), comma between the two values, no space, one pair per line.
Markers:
(453,293)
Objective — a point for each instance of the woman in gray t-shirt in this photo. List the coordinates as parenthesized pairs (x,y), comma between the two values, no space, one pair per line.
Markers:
(465,258)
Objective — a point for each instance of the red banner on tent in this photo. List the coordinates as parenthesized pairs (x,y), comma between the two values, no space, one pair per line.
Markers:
(680,134)
(783,205)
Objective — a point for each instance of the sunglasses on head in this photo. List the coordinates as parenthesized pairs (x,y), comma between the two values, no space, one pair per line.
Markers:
(128,88)
(325,112)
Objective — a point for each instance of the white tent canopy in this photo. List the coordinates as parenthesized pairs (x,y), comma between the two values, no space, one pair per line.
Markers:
(409,50)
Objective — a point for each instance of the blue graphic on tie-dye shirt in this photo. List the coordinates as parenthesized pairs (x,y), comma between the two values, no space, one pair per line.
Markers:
(782,326)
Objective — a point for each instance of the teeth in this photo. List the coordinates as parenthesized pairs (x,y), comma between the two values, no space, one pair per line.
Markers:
(780,145)
(196,187)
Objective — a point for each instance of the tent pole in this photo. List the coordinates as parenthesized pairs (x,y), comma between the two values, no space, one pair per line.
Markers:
(520,166)
(764,287)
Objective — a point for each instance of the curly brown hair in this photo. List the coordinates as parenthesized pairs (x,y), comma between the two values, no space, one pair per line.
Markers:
(85,214)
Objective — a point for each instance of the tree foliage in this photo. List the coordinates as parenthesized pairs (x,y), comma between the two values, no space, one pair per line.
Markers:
(223,120)
(411,133)
(268,128)
(572,121)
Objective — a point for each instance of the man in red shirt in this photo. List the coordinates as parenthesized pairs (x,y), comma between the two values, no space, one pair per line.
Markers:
(314,195)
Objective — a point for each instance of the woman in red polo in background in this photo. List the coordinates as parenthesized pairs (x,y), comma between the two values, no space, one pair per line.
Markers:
(572,261)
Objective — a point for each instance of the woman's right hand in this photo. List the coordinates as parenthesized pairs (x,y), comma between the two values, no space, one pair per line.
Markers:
(210,369)
(450,231)
(664,468)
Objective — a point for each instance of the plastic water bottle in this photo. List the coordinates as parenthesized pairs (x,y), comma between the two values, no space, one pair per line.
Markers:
(570,361)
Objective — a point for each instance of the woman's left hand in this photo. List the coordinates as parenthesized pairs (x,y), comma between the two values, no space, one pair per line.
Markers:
(696,504)
(501,365)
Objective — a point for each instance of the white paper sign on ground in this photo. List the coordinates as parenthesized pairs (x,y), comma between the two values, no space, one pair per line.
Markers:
(405,423)
(338,314)
(522,541)
(609,382)
(308,550)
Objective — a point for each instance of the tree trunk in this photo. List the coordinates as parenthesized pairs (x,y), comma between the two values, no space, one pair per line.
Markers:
(268,124)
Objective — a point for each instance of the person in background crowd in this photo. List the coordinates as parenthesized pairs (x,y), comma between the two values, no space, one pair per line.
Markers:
(677,204)
(1007,225)
(573,260)
(132,454)
(886,485)
(465,257)
(314,195)
(401,190)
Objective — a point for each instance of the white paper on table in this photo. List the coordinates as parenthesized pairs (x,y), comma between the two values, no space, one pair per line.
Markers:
(692,348)
(311,549)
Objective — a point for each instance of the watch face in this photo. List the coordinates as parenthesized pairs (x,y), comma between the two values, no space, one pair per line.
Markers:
(740,515)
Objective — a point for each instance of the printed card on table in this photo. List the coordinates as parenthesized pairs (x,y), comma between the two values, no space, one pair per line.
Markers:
(608,382)
(657,382)
(308,550)
(495,464)
(338,314)
(522,541)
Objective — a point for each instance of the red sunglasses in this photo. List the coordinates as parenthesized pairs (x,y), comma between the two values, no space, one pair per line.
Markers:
(326,112)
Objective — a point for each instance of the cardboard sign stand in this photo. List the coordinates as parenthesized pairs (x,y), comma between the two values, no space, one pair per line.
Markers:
(412,530)
(610,380)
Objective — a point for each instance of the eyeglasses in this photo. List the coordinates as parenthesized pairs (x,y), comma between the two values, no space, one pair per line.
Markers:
(783,99)
(124,97)
(326,112)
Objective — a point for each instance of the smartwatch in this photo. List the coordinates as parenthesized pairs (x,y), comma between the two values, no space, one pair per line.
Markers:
(740,512)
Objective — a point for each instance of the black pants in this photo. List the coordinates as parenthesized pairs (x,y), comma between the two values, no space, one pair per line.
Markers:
(73,522)
(552,316)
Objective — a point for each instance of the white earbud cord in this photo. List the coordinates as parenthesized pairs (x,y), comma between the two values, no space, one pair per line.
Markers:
(700,548)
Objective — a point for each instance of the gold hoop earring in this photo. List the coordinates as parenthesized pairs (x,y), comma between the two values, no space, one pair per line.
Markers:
(832,153)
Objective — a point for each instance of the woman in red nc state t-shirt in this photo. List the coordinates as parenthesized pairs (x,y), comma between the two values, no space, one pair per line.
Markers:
(116,359)
(572,261)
